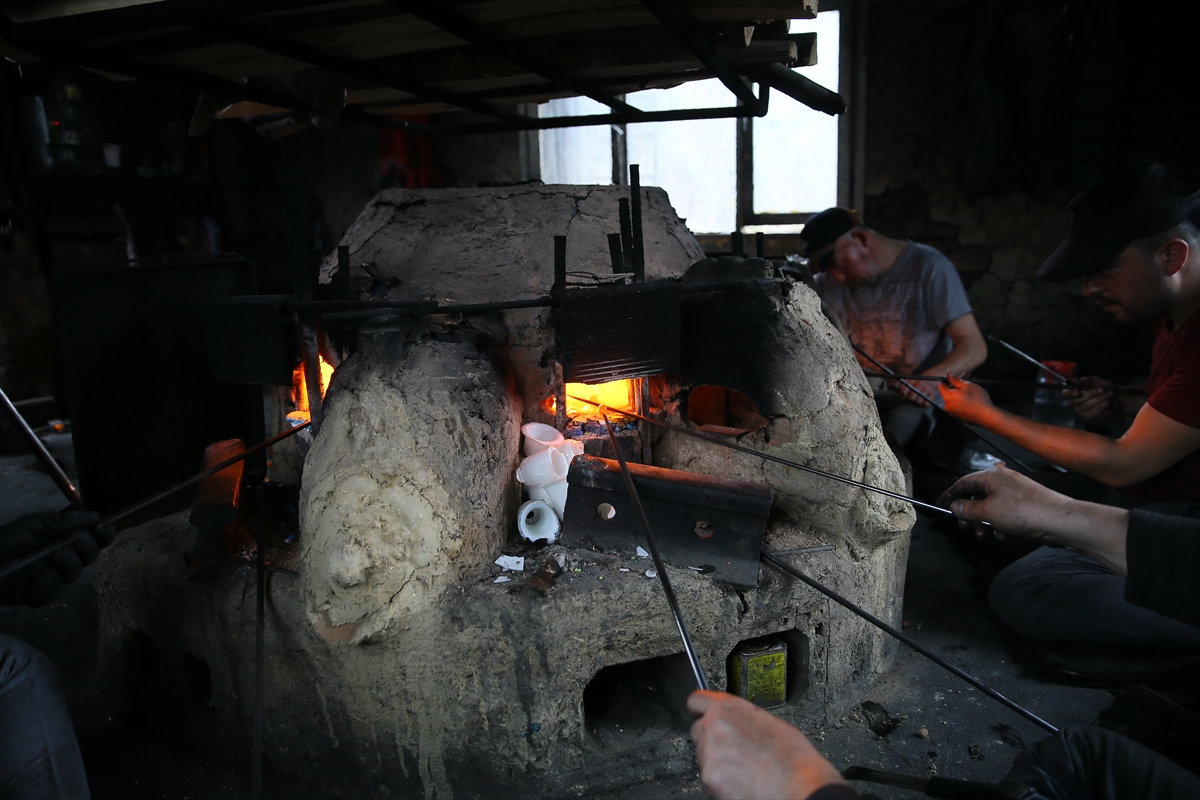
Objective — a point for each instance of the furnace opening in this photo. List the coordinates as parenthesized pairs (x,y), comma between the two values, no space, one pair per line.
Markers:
(628,704)
(300,388)
(583,397)
(770,671)
(718,409)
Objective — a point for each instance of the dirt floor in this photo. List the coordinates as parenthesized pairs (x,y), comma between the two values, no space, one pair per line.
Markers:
(944,726)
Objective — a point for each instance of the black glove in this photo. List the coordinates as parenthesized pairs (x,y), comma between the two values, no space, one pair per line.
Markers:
(38,583)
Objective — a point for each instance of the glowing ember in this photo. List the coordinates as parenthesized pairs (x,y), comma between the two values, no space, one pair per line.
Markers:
(617,395)
(300,387)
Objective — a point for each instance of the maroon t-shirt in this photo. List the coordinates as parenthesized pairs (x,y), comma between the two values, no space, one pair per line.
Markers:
(1174,391)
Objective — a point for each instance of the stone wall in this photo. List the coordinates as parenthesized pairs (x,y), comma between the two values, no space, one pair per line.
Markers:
(966,95)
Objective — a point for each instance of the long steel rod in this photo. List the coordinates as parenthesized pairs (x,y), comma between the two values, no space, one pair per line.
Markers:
(38,555)
(980,381)
(659,566)
(39,450)
(778,460)
(1031,359)
(993,382)
(426,308)
(991,442)
(771,560)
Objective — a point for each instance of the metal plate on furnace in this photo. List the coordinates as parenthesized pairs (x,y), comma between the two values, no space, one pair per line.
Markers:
(613,333)
(696,519)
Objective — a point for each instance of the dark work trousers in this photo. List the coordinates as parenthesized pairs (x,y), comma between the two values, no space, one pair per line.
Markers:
(1056,595)
(1081,762)
(39,756)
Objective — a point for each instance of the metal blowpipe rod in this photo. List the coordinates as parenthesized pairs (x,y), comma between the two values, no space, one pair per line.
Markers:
(980,381)
(771,560)
(39,450)
(1030,359)
(659,566)
(942,407)
(992,382)
(38,555)
(778,460)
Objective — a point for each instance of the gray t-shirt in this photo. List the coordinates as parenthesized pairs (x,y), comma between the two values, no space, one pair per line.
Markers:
(900,317)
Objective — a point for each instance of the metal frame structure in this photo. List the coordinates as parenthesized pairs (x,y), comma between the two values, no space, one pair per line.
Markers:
(850,130)
(214,22)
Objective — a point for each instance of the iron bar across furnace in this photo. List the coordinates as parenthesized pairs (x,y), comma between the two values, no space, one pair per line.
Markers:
(659,566)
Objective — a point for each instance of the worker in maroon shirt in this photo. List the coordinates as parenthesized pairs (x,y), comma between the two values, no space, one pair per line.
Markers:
(1135,240)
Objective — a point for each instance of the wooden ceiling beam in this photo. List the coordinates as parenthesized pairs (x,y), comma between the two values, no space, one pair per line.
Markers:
(477,36)
(360,70)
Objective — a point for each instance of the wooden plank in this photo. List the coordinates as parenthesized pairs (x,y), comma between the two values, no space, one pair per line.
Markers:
(369,31)
(640,50)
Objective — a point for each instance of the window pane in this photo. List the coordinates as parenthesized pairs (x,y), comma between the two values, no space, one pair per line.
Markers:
(694,161)
(795,147)
(575,155)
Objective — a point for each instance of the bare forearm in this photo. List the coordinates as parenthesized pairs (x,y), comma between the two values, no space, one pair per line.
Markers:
(1097,531)
(965,357)
(1090,454)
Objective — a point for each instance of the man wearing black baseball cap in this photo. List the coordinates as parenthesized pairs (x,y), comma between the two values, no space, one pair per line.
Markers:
(1134,238)
(901,302)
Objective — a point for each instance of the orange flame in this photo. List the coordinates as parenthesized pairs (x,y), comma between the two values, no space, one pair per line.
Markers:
(617,395)
(300,386)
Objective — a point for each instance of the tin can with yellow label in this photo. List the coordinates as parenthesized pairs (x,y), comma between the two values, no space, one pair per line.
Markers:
(758,672)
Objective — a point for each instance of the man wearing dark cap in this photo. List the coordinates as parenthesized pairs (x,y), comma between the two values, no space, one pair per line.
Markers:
(901,302)
(1134,238)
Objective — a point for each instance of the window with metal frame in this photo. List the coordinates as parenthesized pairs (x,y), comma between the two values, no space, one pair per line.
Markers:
(754,174)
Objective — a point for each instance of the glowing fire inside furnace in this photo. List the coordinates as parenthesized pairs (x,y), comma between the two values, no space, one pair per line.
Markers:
(617,395)
(300,388)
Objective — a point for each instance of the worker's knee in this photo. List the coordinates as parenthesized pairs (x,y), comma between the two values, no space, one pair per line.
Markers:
(1023,594)
(22,662)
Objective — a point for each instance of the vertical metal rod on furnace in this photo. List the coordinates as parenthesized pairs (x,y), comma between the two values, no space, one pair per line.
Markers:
(760,244)
(39,451)
(635,215)
(659,566)
(616,254)
(343,259)
(560,262)
(626,232)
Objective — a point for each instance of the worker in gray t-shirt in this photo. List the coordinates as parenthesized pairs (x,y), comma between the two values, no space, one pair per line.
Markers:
(901,302)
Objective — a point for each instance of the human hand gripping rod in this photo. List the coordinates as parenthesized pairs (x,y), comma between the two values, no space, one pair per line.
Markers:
(659,566)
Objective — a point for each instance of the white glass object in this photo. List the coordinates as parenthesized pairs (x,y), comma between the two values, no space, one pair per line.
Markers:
(539,436)
(537,521)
